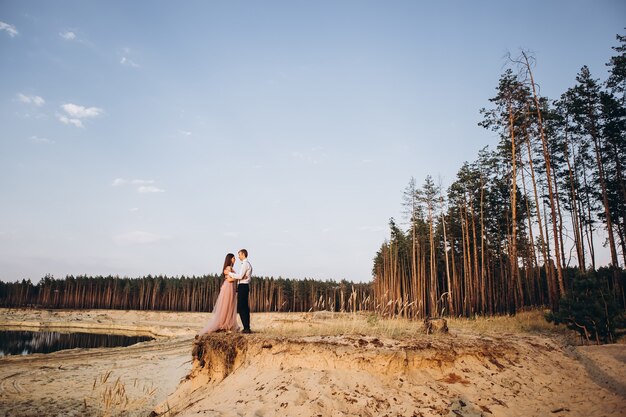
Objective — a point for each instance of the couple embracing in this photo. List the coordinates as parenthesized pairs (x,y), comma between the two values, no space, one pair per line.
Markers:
(233,297)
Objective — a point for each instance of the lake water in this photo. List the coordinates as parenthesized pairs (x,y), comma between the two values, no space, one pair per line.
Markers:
(25,343)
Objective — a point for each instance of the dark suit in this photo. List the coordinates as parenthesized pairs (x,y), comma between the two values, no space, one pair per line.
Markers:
(243,308)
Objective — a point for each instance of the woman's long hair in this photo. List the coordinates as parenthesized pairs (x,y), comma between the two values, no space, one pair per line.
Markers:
(228,261)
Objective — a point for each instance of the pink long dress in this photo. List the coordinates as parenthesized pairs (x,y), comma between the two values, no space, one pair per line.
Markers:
(225,309)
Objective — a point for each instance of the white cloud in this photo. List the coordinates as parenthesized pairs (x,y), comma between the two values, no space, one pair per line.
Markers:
(10,29)
(72,36)
(150,189)
(68,35)
(36,139)
(185,132)
(36,100)
(143,186)
(66,120)
(128,62)
(77,112)
(142,182)
(313,156)
(138,238)
(134,209)
(231,234)
(81,112)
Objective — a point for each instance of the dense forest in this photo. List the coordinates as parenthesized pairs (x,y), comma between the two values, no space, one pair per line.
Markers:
(183,294)
(519,222)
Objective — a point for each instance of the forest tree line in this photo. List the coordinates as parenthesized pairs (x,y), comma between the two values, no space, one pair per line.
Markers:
(521,220)
(183,294)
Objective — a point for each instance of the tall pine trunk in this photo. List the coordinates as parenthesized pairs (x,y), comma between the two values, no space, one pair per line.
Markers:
(546,155)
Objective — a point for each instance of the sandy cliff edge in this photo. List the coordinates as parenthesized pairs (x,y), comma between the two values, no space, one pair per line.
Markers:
(450,375)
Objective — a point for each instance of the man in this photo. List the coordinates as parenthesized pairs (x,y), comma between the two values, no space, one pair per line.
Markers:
(243,290)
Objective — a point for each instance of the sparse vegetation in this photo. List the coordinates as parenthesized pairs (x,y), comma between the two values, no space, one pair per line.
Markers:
(110,398)
(369,324)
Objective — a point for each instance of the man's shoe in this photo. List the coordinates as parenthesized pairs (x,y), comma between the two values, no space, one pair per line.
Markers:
(246,331)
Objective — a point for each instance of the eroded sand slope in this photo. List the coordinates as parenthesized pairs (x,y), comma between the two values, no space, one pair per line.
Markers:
(454,375)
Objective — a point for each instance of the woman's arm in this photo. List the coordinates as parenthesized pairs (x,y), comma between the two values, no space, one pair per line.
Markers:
(228,273)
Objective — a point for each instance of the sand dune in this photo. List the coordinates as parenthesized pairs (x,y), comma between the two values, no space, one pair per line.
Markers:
(307,365)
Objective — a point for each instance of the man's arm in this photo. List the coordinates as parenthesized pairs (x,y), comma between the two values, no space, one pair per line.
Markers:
(242,274)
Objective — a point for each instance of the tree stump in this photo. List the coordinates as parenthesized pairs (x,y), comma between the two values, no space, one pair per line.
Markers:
(435,326)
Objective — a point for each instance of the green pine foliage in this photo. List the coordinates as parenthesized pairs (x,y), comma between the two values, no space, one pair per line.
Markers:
(589,307)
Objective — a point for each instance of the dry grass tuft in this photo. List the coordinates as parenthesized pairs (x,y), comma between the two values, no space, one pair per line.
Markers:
(335,324)
(112,399)
(323,323)
(524,322)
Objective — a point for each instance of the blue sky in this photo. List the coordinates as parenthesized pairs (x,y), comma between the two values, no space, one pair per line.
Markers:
(154,137)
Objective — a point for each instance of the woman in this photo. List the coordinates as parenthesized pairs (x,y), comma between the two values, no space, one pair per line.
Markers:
(225,310)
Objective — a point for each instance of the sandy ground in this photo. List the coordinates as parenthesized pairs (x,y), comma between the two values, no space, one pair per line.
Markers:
(295,365)
(87,382)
